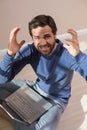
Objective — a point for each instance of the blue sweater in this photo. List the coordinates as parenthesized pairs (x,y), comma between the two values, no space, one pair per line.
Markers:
(55,72)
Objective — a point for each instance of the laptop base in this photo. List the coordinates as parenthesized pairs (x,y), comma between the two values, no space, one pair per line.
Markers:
(9,115)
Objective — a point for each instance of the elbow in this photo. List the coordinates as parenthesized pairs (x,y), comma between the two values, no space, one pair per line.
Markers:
(4,80)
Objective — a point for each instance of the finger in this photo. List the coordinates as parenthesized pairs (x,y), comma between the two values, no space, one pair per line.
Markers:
(14,31)
(22,43)
(67,46)
(13,34)
(70,40)
(73,33)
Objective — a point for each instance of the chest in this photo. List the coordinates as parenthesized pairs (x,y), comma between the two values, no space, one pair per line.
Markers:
(52,68)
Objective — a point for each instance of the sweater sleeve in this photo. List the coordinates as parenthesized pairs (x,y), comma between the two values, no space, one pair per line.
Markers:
(80,64)
(5,68)
(12,65)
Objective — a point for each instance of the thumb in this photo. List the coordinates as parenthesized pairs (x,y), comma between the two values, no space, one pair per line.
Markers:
(66,46)
(22,43)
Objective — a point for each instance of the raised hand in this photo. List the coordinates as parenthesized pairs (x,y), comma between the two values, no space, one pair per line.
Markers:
(73,43)
(14,46)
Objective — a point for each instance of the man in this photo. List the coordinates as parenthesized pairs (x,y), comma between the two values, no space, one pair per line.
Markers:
(52,61)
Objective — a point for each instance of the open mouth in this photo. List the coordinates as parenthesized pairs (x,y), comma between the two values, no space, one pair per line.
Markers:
(44,47)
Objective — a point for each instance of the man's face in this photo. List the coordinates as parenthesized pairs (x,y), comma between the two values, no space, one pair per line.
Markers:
(44,39)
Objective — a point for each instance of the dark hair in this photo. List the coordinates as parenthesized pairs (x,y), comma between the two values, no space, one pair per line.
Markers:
(42,20)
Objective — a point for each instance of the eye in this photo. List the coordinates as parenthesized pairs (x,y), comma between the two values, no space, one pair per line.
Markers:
(36,37)
(47,36)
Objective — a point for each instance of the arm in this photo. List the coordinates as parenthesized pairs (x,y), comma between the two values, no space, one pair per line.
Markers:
(7,64)
(80,64)
(79,58)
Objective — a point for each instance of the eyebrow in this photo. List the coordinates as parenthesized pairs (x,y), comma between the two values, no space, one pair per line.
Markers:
(43,35)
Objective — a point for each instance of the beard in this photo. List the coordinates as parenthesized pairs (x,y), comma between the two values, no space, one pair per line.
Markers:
(46,49)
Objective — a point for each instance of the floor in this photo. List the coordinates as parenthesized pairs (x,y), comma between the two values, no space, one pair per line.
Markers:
(75,115)
(5,125)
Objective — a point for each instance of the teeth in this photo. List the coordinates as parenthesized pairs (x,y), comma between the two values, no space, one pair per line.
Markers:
(46,46)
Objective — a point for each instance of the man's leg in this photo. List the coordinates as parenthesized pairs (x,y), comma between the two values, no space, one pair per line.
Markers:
(6,90)
(48,121)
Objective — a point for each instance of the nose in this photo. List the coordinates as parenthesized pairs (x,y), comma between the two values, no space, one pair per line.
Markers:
(43,41)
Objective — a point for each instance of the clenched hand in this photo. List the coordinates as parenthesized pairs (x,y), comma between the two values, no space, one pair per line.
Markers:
(73,46)
(14,46)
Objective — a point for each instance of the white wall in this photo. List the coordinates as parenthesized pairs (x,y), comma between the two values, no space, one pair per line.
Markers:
(67,13)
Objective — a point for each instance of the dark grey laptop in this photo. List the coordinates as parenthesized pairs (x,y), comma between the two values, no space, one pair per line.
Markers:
(26,105)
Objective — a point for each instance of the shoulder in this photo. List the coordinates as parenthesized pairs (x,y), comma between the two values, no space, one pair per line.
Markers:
(26,50)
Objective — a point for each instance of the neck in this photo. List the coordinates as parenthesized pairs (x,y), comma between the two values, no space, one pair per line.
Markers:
(55,45)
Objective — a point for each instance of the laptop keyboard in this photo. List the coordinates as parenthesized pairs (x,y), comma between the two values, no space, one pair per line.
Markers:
(24,107)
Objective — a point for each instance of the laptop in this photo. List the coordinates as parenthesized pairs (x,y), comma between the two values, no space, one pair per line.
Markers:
(25,105)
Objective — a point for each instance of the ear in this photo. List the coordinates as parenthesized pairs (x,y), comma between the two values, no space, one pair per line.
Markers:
(55,35)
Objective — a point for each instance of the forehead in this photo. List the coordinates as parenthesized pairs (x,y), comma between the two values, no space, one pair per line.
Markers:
(41,30)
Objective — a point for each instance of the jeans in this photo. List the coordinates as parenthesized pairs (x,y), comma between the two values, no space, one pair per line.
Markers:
(48,121)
